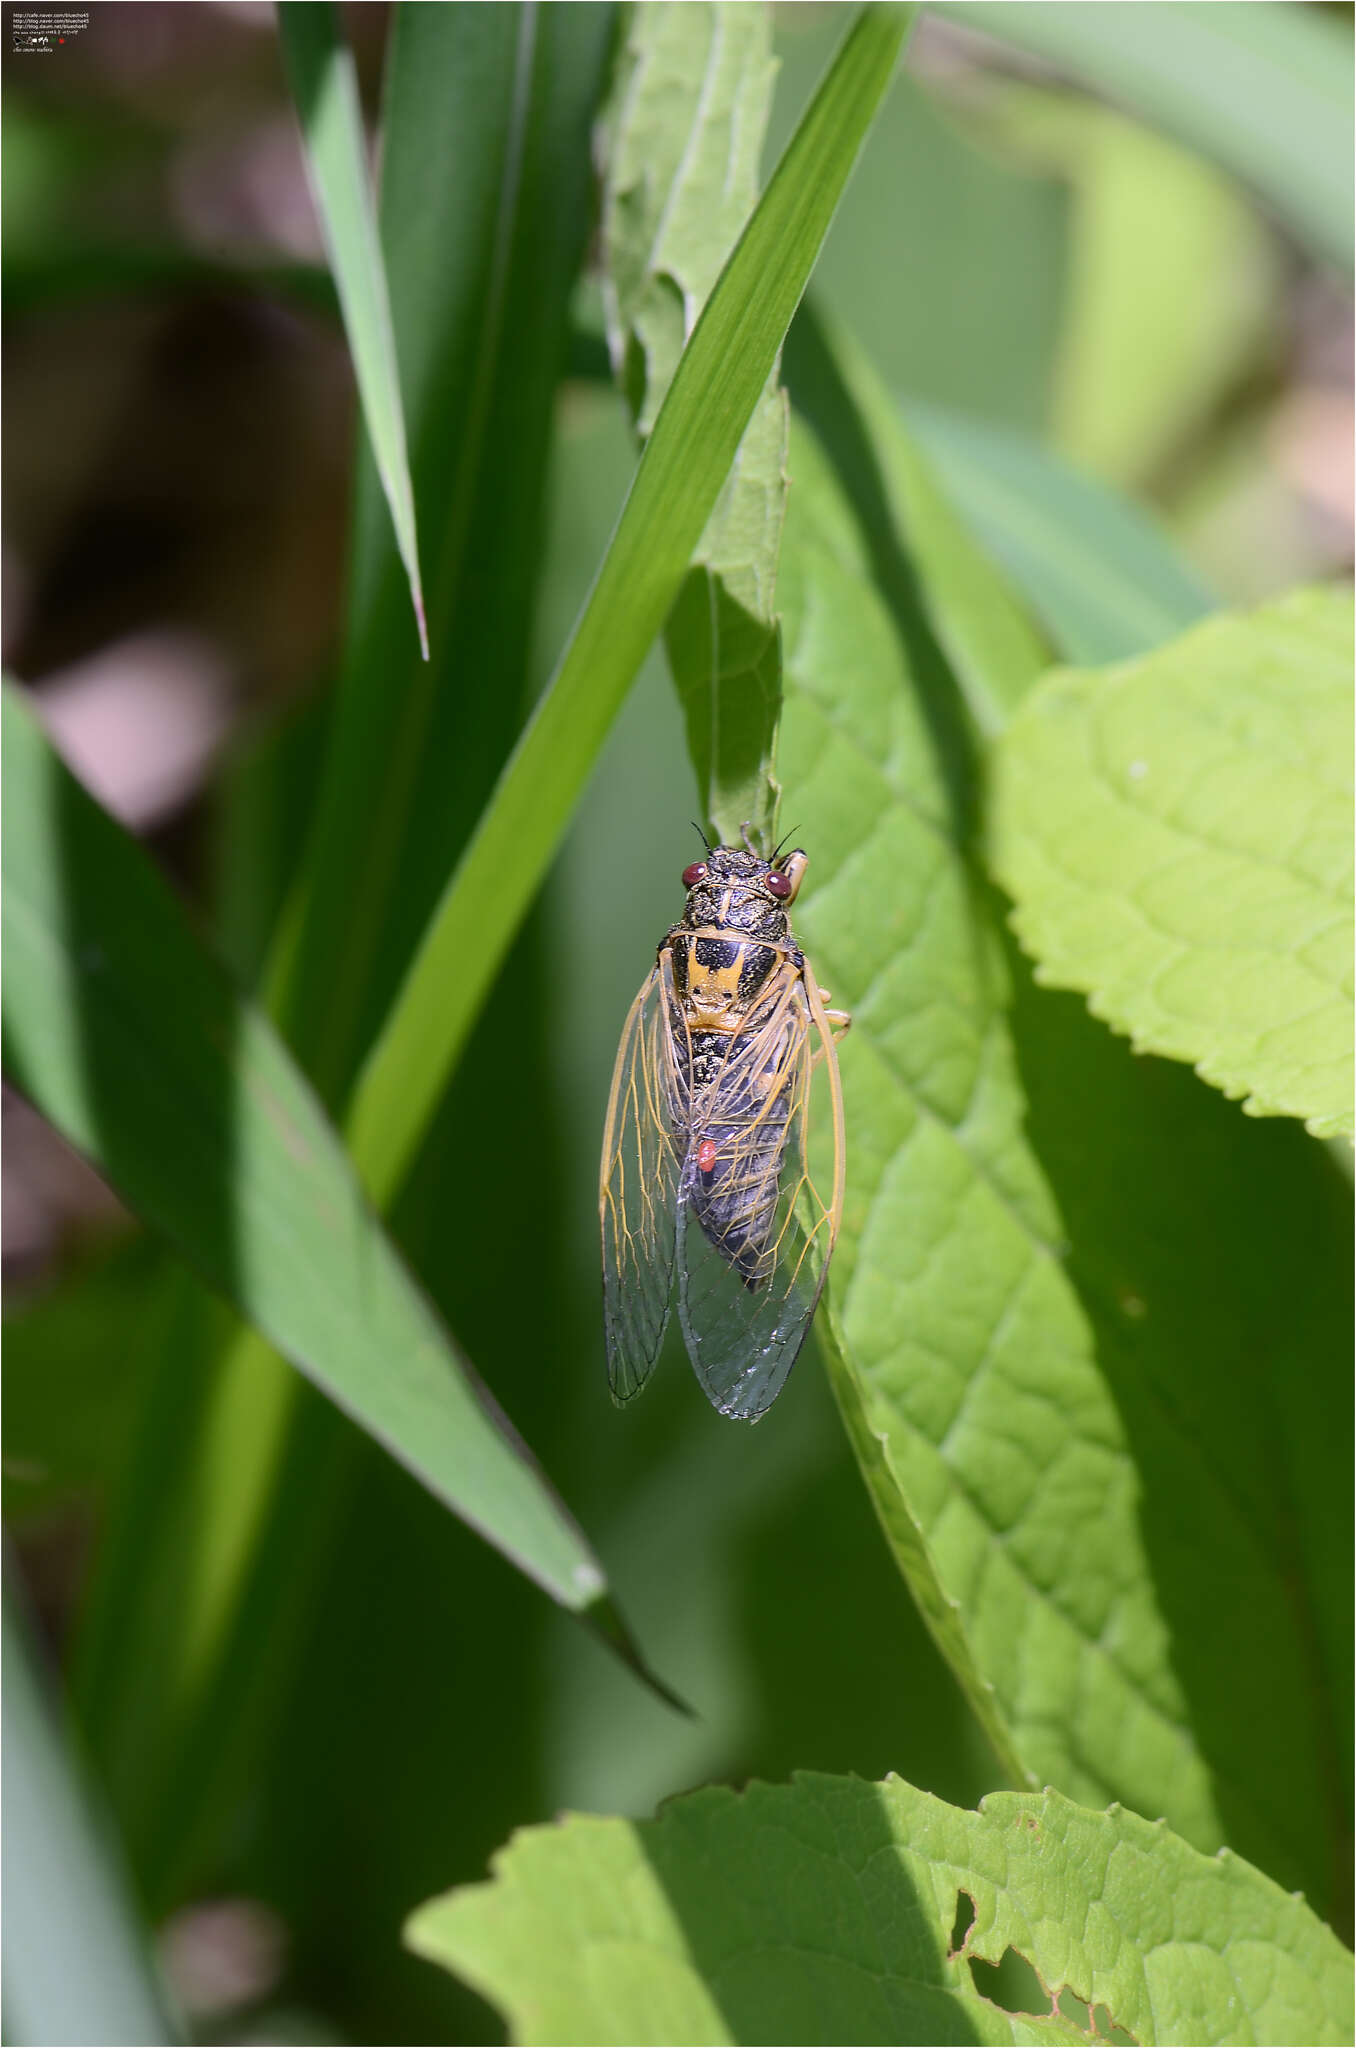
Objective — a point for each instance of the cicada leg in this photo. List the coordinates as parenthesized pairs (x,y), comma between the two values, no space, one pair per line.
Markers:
(840,1020)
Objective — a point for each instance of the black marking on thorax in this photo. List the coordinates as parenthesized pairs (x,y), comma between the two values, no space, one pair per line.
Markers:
(716,953)
(710,969)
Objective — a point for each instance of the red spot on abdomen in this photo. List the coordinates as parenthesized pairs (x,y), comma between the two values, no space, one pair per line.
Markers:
(706,1155)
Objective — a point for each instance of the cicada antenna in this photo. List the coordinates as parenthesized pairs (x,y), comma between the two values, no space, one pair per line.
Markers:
(701,835)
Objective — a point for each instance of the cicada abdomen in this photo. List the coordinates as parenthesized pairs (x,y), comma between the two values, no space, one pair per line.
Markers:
(736,1171)
(734,1109)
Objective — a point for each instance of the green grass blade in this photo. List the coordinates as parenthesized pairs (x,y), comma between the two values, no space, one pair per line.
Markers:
(485,199)
(132,1041)
(1264,89)
(1103,578)
(723,370)
(325,86)
(485,205)
(691,108)
(77,1965)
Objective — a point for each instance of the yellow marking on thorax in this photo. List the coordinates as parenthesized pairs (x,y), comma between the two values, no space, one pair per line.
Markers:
(714,999)
(712,988)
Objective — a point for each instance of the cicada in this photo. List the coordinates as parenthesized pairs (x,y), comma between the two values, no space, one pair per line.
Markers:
(706,1193)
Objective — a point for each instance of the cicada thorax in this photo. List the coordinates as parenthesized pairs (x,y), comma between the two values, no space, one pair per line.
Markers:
(731,1110)
(719,976)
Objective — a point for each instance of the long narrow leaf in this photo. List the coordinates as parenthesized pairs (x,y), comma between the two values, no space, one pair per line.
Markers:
(233,1521)
(484,218)
(325,86)
(722,372)
(77,1966)
(132,1041)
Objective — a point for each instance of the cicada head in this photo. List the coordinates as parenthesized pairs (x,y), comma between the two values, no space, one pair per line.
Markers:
(734,889)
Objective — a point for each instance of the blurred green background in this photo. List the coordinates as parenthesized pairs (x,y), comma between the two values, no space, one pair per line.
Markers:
(179,435)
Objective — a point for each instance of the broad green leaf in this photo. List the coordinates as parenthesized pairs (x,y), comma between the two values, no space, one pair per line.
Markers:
(130,1038)
(919,542)
(717,384)
(824,1911)
(325,86)
(1176,833)
(1102,578)
(77,1964)
(1034,1336)
(1263,89)
(690,110)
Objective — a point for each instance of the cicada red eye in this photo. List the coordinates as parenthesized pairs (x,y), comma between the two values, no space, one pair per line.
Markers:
(693,874)
(779,884)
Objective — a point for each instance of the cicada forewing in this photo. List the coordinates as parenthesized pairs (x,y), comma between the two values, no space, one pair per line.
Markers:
(755,1227)
(638,1192)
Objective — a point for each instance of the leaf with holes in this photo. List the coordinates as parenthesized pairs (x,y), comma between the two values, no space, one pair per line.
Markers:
(1074,1290)
(823,1911)
(1176,833)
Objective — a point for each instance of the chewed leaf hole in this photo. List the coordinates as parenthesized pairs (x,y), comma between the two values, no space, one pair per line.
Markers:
(1097,2023)
(1075,2009)
(1012,1984)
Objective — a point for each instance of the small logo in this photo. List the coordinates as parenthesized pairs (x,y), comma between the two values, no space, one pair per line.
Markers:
(36,32)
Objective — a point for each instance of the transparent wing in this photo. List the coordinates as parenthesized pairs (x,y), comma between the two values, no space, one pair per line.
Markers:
(638,1190)
(755,1232)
